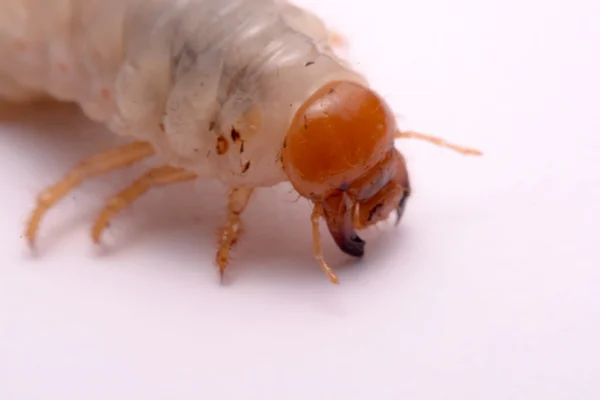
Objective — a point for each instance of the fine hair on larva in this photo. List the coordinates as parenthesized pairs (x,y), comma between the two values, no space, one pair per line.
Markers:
(249,92)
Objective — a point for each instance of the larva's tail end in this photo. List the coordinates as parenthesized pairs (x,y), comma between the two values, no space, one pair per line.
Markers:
(437,141)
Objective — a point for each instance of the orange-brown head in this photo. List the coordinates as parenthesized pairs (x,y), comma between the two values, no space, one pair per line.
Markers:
(339,152)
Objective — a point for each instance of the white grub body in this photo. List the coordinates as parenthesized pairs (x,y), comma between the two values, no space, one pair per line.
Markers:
(176,73)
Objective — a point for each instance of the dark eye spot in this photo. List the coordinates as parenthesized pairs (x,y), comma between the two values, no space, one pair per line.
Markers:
(344,186)
(374,211)
(235,135)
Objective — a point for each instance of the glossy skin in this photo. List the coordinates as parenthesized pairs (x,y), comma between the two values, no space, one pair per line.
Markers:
(339,153)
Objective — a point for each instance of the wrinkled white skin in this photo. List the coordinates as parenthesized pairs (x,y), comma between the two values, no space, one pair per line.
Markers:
(185,66)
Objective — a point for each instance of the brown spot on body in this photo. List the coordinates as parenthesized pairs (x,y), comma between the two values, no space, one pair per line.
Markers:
(211,125)
(308,64)
(161,126)
(222,145)
(242,147)
(235,135)
(246,167)
(247,125)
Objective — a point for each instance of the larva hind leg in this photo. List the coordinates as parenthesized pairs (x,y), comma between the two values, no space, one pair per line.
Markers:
(154,177)
(238,201)
(93,166)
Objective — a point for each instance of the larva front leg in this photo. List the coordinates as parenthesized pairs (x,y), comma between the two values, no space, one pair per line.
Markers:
(238,201)
(316,216)
(93,166)
(155,177)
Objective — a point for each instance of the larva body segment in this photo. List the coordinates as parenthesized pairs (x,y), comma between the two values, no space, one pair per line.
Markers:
(249,92)
(187,76)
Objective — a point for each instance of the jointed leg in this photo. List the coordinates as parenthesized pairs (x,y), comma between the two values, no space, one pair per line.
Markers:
(238,200)
(92,166)
(436,141)
(315,218)
(155,177)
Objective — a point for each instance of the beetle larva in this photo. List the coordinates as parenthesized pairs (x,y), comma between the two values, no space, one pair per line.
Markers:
(249,92)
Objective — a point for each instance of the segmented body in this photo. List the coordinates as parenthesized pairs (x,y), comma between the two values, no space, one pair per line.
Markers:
(211,84)
(246,91)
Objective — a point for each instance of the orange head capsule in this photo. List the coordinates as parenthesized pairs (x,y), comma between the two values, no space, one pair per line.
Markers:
(339,153)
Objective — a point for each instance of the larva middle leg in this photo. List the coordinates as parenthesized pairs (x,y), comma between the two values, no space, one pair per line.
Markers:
(93,166)
(238,201)
(160,176)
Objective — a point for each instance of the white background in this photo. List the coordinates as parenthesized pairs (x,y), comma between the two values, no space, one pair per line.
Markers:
(489,289)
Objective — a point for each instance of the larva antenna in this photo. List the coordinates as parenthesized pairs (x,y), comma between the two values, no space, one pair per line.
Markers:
(437,141)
